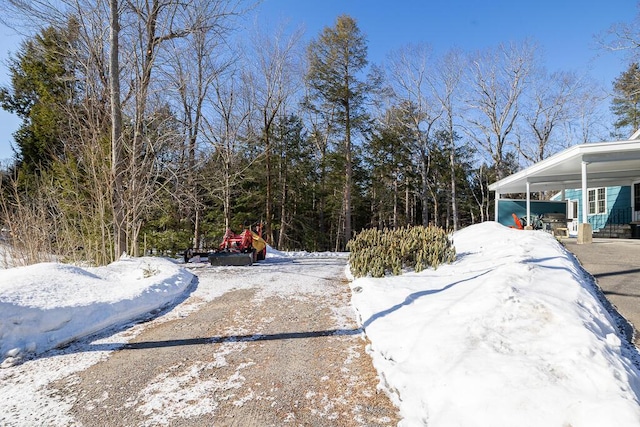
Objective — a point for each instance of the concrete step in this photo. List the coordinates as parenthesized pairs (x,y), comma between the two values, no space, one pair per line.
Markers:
(615,231)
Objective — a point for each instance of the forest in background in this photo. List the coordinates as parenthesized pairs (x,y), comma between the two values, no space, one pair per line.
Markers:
(157,124)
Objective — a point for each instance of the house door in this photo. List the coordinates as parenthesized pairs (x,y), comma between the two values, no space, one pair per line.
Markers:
(572,216)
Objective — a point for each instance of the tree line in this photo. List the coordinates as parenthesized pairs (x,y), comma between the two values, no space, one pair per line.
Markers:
(155,124)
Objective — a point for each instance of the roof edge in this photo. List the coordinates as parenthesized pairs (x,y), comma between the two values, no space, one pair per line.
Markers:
(564,155)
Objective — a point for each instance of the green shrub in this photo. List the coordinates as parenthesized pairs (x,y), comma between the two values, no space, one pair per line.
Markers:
(379,252)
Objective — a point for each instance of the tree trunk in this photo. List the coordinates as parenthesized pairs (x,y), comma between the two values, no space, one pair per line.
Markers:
(452,166)
(436,210)
(395,201)
(407,203)
(424,170)
(348,177)
(268,227)
(227,196)
(119,233)
(196,230)
(283,206)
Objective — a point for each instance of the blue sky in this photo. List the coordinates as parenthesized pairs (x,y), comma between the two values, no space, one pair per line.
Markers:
(563,29)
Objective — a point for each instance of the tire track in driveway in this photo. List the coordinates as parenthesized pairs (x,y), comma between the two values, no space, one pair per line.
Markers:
(281,349)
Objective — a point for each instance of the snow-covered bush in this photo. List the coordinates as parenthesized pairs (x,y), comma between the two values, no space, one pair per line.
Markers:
(378,252)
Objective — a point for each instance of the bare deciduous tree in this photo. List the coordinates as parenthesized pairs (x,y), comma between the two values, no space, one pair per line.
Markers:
(320,122)
(129,87)
(497,80)
(589,121)
(117,143)
(623,36)
(554,102)
(273,80)
(410,69)
(446,87)
(223,129)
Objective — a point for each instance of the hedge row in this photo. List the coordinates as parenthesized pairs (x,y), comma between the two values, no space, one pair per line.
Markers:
(378,252)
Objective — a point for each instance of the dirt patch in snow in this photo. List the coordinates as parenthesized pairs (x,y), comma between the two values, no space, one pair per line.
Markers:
(246,358)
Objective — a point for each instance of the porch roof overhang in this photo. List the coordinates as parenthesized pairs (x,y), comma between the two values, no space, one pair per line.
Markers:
(608,164)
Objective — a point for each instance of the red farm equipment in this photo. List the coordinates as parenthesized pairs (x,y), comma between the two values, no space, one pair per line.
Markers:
(236,249)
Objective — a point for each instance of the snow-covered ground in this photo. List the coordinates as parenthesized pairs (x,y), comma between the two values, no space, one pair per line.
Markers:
(512,333)
(50,304)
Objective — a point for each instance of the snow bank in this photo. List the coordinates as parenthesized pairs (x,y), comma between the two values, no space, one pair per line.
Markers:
(512,333)
(274,254)
(47,305)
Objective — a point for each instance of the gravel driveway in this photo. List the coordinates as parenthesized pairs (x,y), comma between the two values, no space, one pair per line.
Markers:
(280,348)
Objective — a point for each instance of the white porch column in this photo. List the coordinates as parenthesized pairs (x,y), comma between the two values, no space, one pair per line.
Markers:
(496,206)
(585,232)
(585,196)
(529,223)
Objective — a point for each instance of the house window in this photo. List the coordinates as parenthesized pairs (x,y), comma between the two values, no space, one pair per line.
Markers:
(597,201)
(636,196)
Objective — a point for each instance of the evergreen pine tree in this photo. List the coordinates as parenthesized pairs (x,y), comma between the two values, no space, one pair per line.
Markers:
(336,60)
(41,88)
(626,102)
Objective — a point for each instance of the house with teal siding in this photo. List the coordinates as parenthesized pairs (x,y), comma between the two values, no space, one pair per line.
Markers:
(599,182)
(609,209)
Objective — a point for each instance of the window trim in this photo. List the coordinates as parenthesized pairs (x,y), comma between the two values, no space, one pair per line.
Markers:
(596,191)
